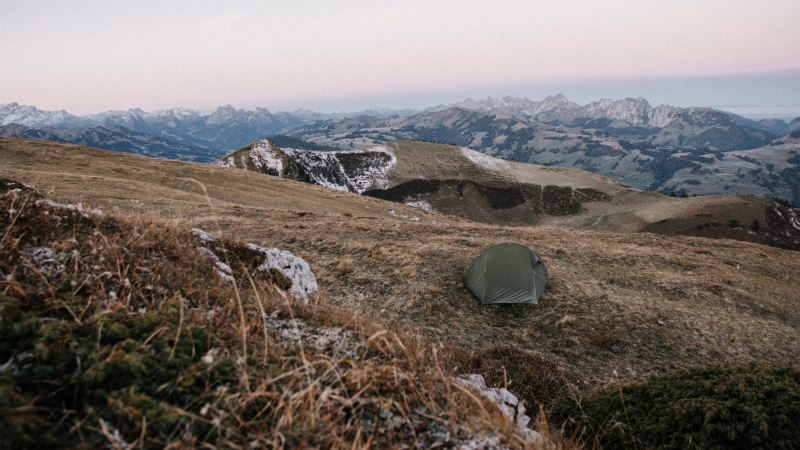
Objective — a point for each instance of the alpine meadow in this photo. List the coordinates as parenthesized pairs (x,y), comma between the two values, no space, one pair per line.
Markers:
(400,225)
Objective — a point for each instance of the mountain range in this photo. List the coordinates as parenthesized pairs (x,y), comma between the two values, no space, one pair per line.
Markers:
(696,151)
(686,150)
(224,129)
(115,138)
(616,115)
(629,119)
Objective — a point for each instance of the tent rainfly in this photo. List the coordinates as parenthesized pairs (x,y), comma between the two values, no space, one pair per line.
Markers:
(507,273)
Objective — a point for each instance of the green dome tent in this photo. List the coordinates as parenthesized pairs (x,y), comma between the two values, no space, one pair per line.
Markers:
(507,273)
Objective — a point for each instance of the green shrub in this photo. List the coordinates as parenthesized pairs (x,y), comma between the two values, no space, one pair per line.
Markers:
(720,407)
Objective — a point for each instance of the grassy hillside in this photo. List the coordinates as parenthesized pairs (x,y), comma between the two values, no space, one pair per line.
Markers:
(114,333)
(630,303)
(468,184)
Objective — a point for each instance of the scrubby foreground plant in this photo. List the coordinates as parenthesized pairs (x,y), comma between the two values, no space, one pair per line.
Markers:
(116,332)
(756,406)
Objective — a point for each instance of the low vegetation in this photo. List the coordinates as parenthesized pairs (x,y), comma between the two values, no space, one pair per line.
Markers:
(115,333)
(716,407)
(620,310)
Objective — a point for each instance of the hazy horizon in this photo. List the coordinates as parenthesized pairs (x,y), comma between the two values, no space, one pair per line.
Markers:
(88,57)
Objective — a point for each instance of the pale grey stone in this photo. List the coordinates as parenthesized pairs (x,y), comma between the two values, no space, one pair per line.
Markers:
(507,397)
(304,284)
(507,410)
(205,237)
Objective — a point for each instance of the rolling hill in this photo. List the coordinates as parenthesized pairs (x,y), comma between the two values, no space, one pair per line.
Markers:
(619,305)
(634,302)
(465,183)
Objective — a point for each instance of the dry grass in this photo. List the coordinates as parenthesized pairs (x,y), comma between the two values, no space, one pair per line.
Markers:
(641,303)
(636,303)
(121,336)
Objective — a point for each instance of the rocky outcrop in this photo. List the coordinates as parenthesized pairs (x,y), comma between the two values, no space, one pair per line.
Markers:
(509,405)
(304,284)
(295,269)
(491,201)
(350,170)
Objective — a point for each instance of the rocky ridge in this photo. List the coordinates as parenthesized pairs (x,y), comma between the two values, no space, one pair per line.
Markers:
(354,171)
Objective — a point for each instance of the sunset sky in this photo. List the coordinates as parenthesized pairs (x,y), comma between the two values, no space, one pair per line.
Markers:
(88,56)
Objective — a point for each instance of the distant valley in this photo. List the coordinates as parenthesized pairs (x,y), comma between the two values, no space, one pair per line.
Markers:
(689,151)
(115,138)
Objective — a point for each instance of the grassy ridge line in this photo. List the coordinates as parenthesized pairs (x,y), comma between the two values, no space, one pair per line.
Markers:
(635,302)
(116,333)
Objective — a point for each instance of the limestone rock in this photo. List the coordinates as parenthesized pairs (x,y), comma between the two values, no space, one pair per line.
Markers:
(304,284)
(204,236)
(509,404)
(223,270)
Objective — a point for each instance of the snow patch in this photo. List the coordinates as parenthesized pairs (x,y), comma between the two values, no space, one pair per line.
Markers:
(376,174)
(483,160)
(265,156)
(323,168)
(326,169)
(347,170)
(421,204)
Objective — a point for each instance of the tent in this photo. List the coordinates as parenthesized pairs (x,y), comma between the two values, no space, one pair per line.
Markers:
(507,273)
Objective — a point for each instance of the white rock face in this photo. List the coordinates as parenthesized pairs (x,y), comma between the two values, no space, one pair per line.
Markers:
(304,284)
(374,173)
(264,154)
(421,204)
(223,270)
(323,168)
(79,208)
(509,404)
(204,236)
(663,115)
(30,116)
(347,170)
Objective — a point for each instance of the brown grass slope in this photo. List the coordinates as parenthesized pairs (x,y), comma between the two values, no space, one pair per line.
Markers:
(635,302)
(116,334)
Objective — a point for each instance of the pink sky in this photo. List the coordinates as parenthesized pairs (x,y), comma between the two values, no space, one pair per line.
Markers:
(87,56)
